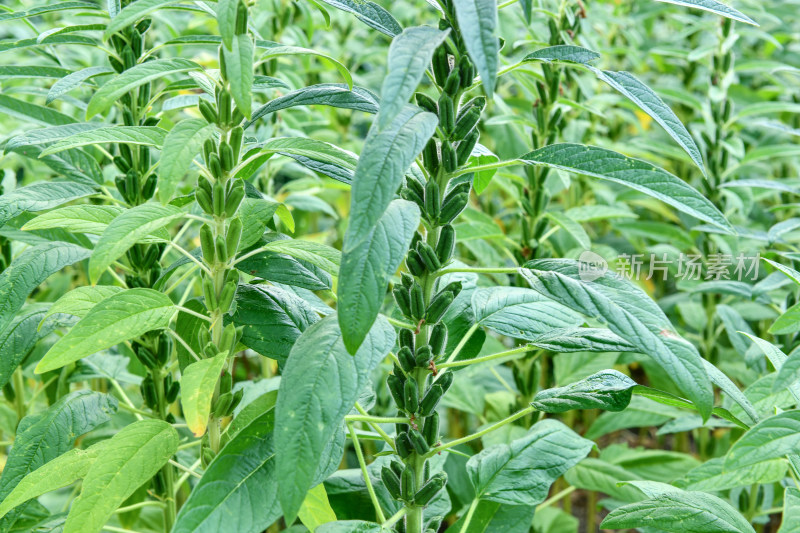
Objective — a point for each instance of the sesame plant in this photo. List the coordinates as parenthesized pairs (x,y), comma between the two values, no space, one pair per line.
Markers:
(340,266)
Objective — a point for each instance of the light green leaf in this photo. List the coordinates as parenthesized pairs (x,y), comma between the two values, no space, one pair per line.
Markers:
(317,254)
(609,390)
(40,196)
(715,7)
(477,20)
(32,112)
(29,269)
(350,526)
(330,94)
(278,50)
(316,509)
(787,367)
(711,476)
(772,438)
(319,386)
(88,218)
(318,156)
(34,71)
(125,230)
(226,21)
(197,389)
(788,322)
(370,13)
(256,213)
(631,314)
(130,458)
(239,69)
(522,472)
(791,510)
(582,340)
(133,13)
(409,56)
(182,144)
(135,77)
(80,300)
(71,81)
(573,228)
(239,489)
(118,318)
(634,173)
(20,337)
(141,135)
(563,52)
(48,8)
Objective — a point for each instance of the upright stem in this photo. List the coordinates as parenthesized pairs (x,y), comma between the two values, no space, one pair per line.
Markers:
(167,471)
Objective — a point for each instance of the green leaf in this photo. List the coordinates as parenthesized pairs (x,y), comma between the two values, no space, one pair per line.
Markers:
(80,300)
(239,489)
(370,13)
(140,135)
(48,8)
(634,173)
(274,49)
(788,322)
(316,509)
(284,269)
(409,56)
(711,476)
(32,112)
(667,398)
(319,255)
(182,144)
(563,52)
(477,20)
(787,367)
(29,269)
(791,509)
(715,7)
(60,472)
(773,437)
(273,319)
(73,80)
(318,156)
(35,71)
(522,472)
(601,476)
(631,314)
(649,102)
(130,458)
(367,267)
(255,213)
(489,517)
(40,196)
(226,21)
(47,135)
(133,13)
(19,338)
(609,390)
(582,340)
(330,94)
(239,69)
(679,512)
(135,77)
(520,313)
(350,526)
(88,218)
(127,229)
(197,389)
(319,386)
(120,317)
(574,229)
(44,436)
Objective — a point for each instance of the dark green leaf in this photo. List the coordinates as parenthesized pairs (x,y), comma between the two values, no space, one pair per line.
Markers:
(370,13)
(330,94)
(609,390)
(477,20)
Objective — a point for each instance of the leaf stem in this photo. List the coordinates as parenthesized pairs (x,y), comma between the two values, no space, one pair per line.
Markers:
(555,498)
(365,473)
(392,520)
(483,359)
(376,419)
(460,345)
(493,427)
(193,313)
(377,428)
(468,517)
(478,270)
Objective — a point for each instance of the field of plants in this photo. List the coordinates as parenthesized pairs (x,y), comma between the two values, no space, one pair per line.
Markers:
(412,266)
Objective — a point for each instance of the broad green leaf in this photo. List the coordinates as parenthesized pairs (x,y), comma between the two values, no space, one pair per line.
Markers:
(239,489)
(319,255)
(477,20)
(135,77)
(182,144)
(127,229)
(601,476)
(609,390)
(387,155)
(715,7)
(631,314)
(255,213)
(80,300)
(85,218)
(409,56)
(634,173)
(649,102)
(788,322)
(492,516)
(679,512)
(330,94)
(787,367)
(120,317)
(367,267)
(34,71)
(274,50)
(273,319)
(370,13)
(316,509)
(319,386)
(130,458)
(48,8)
(772,438)
(20,337)
(73,80)
(29,269)
(140,135)
(711,476)
(285,269)
(522,472)
(47,135)
(318,156)
(44,436)
(350,526)
(226,21)
(791,510)
(582,340)
(563,52)
(573,228)
(667,398)
(40,196)
(133,13)
(239,69)
(520,313)
(60,472)
(197,389)
(32,112)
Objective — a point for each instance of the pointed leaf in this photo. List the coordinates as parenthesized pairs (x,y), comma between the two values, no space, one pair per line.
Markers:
(80,300)
(182,144)
(133,13)
(40,196)
(330,94)
(773,437)
(370,13)
(477,20)
(140,135)
(791,510)
(88,218)
(715,7)
(609,390)
(226,21)
(563,52)
(197,390)
(73,80)
(239,69)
